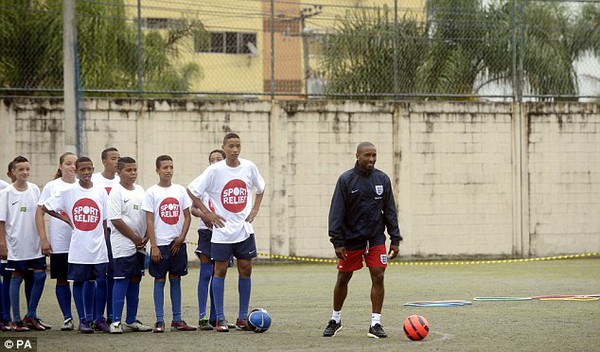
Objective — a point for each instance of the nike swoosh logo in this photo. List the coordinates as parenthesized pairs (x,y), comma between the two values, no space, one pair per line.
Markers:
(251,252)
(354,191)
(15,203)
(126,200)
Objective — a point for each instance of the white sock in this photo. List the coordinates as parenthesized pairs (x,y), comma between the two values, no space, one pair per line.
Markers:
(375,319)
(337,316)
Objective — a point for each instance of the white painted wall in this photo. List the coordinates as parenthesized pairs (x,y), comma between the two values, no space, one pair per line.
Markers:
(471,179)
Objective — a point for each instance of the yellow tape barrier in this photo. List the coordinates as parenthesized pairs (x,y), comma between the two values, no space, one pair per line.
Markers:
(434,263)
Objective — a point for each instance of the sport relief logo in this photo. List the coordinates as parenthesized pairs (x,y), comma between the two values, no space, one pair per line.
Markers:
(169,211)
(234,196)
(86,215)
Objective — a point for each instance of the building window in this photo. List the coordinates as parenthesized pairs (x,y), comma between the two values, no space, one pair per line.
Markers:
(161,23)
(315,42)
(226,42)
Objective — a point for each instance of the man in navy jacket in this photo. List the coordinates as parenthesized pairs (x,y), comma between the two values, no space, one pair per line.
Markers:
(361,209)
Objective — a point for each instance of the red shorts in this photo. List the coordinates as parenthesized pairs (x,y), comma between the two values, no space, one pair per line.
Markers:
(375,257)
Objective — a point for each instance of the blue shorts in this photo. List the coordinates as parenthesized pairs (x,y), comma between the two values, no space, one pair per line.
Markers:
(59,266)
(204,237)
(176,265)
(24,265)
(87,272)
(3,269)
(126,267)
(241,250)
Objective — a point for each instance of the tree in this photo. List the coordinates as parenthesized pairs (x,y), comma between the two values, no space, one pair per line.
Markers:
(358,57)
(463,47)
(31,38)
(31,57)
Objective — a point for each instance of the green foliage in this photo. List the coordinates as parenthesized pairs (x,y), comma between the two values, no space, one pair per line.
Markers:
(547,50)
(359,54)
(31,37)
(32,55)
(461,47)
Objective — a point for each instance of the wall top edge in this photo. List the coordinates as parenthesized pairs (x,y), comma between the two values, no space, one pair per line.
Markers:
(195,104)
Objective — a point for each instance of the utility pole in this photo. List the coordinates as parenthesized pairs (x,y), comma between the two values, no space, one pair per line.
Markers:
(70,76)
(304,14)
(272,28)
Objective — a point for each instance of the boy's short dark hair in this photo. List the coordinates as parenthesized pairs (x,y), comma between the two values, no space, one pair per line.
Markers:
(230,135)
(83,159)
(220,151)
(162,158)
(124,160)
(105,152)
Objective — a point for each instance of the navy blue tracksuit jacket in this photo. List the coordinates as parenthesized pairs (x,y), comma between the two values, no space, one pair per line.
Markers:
(362,207)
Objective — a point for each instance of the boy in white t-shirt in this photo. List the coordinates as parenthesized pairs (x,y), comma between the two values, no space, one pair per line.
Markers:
(230,185)
(108,179)
(85,207)
(167,207)
(128,241)
(20,243)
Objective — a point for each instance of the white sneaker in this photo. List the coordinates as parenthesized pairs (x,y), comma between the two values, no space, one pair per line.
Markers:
(115,328)
(136,326)
(67,325)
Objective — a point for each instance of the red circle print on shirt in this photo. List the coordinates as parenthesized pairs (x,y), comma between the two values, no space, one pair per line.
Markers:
(234,196)
(169,211)
(86,214)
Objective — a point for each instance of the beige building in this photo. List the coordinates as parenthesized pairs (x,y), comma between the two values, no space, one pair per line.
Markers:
(235,57)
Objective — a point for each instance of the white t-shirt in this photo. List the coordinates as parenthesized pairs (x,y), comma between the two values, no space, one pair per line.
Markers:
(230,191)
(59,233)
(100,181)
(167,204)
(206,200)
(86,207)
(17,210)
(126,205)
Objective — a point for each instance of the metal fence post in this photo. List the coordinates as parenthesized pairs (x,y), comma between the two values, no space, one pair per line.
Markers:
(517,50)
(272,20)
(69,76)
(139,49)
(521,52)
(395,46)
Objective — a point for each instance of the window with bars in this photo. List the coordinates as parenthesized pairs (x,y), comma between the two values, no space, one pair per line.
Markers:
(226,43)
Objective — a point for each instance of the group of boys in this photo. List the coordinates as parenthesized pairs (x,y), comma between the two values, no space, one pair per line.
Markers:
(110,220)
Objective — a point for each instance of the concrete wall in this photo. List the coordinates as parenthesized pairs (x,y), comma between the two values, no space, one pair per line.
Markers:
(471,179)
(564,178)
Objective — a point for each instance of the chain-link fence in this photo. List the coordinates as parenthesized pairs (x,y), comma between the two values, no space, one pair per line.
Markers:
(377,49)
